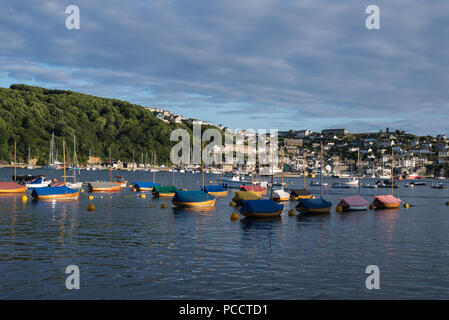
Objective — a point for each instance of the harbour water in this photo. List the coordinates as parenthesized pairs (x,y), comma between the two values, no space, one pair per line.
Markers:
(131,248)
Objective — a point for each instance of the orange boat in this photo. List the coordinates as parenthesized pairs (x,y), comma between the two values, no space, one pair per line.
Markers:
(54,193)
(386,202)
(11,187)
(103,186)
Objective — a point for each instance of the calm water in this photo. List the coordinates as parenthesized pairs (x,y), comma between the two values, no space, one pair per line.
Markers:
(130,248)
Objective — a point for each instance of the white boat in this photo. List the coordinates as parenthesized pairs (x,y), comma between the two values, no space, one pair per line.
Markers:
(369,186)
(317,183)
(281,195)
(75,185)
(233,181)
(352,182)
(38,183)
(341,185)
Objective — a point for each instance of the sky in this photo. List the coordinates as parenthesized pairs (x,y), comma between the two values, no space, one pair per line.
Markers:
(271,64)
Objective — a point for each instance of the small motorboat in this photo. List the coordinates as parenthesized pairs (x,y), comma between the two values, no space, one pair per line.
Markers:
(103,186)
(386,184)
(145,186)
(314,206)
(386,202)
(120,181)
(265,208)
(11,187)
(297,194)
(193,199)
(40,182)
(438,186)
(281,195)
(317,183)
(55,193)
(341,185)
(240,196)
(369,186)
(215,190)
(353,203)
(165,191)
(420,183)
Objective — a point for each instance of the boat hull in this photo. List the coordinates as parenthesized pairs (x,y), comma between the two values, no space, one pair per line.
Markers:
(18,190)
(164,195)
(282,199)
(355,208)
(209,203)
(261,214)
(314,211)
(301,197)
(67,196)
(380,205)
(219,194)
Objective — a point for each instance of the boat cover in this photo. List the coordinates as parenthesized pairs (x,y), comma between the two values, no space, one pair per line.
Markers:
(214,188)
(246,195)
(102,184)
(314,203)
(192,196)
(165,189)
(49,191)
(37,181)
(300,192)
(255,188)
(390,199)
(58,184)
(10,186)
(354,201)
(145,184)
(261,206)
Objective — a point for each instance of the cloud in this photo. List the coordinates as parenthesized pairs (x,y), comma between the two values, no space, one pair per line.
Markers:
(254,63)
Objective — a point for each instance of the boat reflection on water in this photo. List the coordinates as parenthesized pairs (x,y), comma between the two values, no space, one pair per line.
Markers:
(193,209)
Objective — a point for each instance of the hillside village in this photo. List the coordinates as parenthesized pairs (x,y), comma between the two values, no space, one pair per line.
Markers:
(423,155)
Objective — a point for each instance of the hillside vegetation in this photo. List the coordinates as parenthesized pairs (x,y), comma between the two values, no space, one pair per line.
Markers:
(30,114)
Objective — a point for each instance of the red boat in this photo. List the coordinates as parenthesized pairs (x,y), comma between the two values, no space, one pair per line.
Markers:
(256,188)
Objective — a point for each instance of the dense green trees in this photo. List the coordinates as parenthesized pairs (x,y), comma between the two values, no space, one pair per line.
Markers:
(29,115)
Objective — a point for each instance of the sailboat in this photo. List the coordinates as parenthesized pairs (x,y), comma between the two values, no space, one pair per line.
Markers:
(104,186)
(13,186)
(315,206)
(297,194)
(75,166)
(354,203)
(388,201)
(56,193)
(29,163)
(53,156)
(279,194)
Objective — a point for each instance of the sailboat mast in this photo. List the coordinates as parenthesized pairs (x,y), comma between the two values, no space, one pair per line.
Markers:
(304,167)
(110,172)
(321,171)
(63,158)
(358,170)
(392,170)
(15,160)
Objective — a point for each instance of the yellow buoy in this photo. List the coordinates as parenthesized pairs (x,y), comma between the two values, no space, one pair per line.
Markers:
(371,206)
(82,190)
(234,216)
(130,186)
(133,190)
(210,181)
(164,206)
(143,196)
(406,205)
(338,209)
(232,203)
(24,198)
(313,197)
(91,197)
(91,207)
(291,213)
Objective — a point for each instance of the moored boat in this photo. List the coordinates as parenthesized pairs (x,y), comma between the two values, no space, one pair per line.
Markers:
(241,196)
(215,190)
(255,188)
(193,199)
(280,195)
(11,187)
(265,208)
(297,194)
(54,193)
(39,182)
(103,186)
(386,202)
(314,206)
(145,186)
(164,191)
(353,203)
